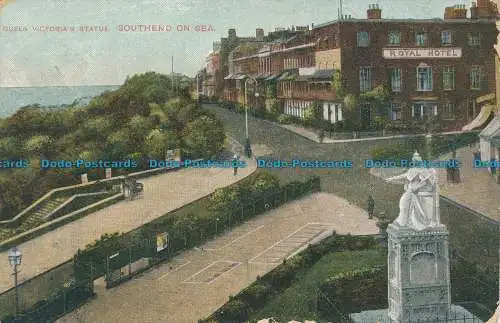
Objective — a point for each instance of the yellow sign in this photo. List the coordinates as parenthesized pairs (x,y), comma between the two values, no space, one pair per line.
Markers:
(3,3)
(161,241)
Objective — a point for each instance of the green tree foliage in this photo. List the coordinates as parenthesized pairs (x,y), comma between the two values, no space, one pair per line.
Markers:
(115,125)
(204,137)
(312,115)
(38,145)
(158,142)
(96,128)
(10,147)
(225,199)
(264,183)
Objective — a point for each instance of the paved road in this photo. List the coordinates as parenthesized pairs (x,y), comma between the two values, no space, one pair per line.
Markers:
(199,281)
(354,184)
(162,193)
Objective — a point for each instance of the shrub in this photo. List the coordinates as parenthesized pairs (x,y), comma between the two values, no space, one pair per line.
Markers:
(286,119)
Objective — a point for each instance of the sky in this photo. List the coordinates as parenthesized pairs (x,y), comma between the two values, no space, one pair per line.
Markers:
(108,55)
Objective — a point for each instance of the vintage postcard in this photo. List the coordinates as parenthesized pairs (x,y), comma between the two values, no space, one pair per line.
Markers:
(268,161)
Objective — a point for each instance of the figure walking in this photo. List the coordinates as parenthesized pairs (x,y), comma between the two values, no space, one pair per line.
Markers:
(235,164)
(371,206)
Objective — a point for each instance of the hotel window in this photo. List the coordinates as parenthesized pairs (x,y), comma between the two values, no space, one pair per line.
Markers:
(365,79)
(475,78)
(424,78)
(448,78)
(396,112)
(394,37)
(446,37)
(474,39)
(421,38)
(448,111)
(363,39)
(396,79)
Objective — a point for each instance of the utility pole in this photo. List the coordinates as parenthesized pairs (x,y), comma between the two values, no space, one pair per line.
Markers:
(172,76)
(340,9)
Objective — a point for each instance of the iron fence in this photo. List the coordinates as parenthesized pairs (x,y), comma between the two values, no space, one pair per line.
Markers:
(141,254)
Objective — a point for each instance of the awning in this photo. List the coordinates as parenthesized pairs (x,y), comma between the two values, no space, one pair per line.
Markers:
(272,77)
(481,118)
(240,77)
(229,77)
(262,77)
(487,97)
(283,76)
(492,129)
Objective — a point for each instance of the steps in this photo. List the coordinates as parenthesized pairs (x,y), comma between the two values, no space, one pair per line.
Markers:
(37,218)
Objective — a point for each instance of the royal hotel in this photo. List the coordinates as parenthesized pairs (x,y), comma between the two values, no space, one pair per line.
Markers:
(441,67)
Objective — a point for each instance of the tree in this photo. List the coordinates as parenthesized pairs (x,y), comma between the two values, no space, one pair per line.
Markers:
(204,137)
(97,128)
(158,142)
(10,148)
(312,115)
(38,145)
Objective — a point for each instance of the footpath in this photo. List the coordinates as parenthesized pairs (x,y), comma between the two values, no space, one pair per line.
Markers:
(477,189)
(162,193)
(313,136)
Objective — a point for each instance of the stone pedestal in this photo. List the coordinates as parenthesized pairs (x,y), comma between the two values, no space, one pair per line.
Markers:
(419,274)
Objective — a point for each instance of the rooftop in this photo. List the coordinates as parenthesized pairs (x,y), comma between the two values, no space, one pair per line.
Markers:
(414,21)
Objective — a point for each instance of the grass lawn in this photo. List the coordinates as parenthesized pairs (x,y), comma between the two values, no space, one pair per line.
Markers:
(299,301)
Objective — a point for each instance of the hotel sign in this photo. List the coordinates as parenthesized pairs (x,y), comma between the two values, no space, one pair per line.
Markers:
(419,53)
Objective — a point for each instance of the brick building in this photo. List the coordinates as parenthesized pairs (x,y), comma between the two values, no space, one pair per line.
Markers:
(439,69)
(432,67)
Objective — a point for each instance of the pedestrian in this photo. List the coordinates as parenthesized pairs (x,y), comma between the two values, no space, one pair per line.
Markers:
(235,164)
(493,167)
(371,207)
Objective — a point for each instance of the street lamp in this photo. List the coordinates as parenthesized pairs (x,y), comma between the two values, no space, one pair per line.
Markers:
(15,257)
(248,147)
(216,224)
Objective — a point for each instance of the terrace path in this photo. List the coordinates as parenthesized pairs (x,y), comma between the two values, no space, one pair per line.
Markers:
(162,193)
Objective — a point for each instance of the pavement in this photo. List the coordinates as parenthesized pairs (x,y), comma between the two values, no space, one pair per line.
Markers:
(477,189)
(162,193)
(311,134)
(199,281)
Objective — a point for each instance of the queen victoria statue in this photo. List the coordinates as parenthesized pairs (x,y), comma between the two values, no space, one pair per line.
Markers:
(419,204)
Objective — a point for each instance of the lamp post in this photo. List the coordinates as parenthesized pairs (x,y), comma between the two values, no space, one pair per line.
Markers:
(248,147)
(216,225)
(15,257)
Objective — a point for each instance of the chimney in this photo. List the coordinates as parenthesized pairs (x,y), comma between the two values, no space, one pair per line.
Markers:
(455,12)
(374,12)
(231,33)
(483,3)
(259,34)
(483,9)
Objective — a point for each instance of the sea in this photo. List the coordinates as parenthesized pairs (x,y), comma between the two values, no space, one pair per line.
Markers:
(13,98)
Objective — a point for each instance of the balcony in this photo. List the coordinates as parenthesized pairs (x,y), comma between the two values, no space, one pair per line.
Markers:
(307,95)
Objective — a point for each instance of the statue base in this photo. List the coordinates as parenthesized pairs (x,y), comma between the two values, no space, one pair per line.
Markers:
(457,314)
(418,274)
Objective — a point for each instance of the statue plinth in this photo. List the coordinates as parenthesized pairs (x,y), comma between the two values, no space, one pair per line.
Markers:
(419,274)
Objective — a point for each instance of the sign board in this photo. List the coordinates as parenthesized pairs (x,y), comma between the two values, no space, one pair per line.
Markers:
(420,53)
(108,173)
(85,179)
(161,241)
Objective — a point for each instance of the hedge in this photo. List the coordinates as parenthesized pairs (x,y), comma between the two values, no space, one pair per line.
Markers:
(353,292)
(440,144)
(188,230)
(255,296)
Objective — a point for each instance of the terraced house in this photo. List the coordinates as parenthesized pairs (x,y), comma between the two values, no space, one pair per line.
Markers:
(431,69)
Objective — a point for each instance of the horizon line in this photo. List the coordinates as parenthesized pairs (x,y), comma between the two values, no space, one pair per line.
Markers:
(20,87)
